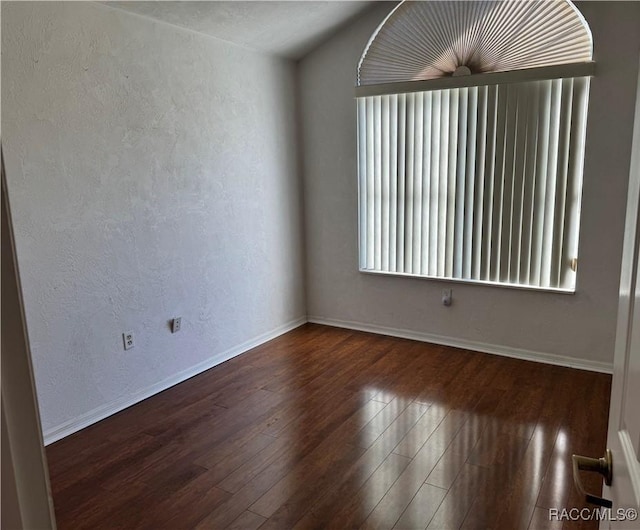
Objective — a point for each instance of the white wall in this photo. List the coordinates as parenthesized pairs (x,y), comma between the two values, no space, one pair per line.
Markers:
(152,172)
(555,327)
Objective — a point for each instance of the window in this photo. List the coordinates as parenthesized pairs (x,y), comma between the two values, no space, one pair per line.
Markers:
(471,126)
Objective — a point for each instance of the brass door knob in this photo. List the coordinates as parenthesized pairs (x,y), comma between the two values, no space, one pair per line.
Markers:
(603,465)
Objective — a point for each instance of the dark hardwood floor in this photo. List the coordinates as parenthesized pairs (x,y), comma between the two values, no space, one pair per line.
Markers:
(330,428)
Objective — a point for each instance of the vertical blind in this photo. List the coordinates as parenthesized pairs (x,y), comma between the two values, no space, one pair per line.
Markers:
(480,183)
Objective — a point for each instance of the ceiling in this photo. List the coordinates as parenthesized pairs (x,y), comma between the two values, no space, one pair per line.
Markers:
(289,29)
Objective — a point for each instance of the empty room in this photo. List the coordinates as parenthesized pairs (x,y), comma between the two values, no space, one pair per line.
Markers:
(320,265)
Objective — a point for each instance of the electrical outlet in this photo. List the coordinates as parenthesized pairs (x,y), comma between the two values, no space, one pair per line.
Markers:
(447,295)
(176,324)
(127,338)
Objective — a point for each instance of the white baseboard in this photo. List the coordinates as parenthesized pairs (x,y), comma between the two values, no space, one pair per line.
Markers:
(516,353)
(104,411)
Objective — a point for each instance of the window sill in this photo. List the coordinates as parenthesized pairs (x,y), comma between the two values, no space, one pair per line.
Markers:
(557,290)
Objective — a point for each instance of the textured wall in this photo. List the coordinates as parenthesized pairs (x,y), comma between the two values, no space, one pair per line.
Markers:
(152,172)
(581,326)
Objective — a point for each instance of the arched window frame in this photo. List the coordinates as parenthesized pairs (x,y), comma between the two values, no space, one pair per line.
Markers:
(498,249)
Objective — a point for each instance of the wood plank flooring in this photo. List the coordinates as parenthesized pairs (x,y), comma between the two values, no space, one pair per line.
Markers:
(331,428)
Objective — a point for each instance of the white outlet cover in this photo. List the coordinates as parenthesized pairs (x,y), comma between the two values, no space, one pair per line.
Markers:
(128,340)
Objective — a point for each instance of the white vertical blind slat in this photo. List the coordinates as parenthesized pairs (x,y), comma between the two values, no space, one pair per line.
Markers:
(377,181)
(402,120)
(370,198)
(426,184)
(393,182)
(409,183)
(469,196)
(461,184)
(490,169)
(362,180)
(443,184)
(519,180)
(541,183)
(434,199)
(384,235)
(529,184)
(509,165)
(574,186)
(450,198)
(497,197)
(551,178)
(417,186)
(478,218)
(562,184)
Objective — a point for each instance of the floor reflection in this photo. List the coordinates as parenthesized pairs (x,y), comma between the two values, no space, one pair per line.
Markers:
(444,464)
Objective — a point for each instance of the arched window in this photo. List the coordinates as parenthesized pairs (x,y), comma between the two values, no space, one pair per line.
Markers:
(471,126)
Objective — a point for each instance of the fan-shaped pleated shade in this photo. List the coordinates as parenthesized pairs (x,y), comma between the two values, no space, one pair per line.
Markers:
(431,39)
